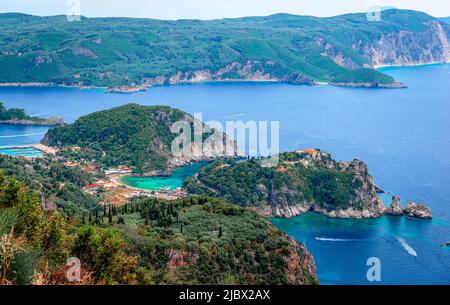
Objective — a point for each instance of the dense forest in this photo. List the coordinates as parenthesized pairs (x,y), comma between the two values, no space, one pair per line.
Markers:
(132,135)
(309,179)
(194,240)
(123,51)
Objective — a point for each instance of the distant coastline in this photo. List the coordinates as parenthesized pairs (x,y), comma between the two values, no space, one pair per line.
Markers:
(48,85)
(54,121)
(145,87)
(411,65)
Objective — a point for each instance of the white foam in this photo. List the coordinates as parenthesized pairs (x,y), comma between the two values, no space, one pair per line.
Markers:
(22,135)
(233,116)
(335,239)
(407,247)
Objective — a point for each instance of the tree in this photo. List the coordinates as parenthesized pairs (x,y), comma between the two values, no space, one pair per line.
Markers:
(102,251)
(9,247)
(120,220)
(53,237)
(220,231)
(110,218)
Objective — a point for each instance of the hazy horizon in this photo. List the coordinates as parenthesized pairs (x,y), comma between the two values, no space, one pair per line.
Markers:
(213,9)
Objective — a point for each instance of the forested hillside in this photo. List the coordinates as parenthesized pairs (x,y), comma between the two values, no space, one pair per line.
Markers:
(133,135)
(189,241)
(303,181)
(117,52)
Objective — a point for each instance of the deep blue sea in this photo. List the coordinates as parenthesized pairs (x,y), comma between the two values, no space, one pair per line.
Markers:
(403,135)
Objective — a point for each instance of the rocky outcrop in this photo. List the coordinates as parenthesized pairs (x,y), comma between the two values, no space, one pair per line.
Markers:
(395,85)
(85,52)
(301,264)
(249,71)
(351,212)
(329,50)
(416,210)
(395,209)
(412,210)
(298,78)
(408,47)
(303,181)
(53,121)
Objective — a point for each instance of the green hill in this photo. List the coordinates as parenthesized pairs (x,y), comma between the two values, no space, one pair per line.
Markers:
(116,52)
(303,181)
(132,135)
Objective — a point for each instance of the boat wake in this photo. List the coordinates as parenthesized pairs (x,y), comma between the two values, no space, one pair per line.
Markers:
(22,135)
(335,239)
(407,247)
(233,116)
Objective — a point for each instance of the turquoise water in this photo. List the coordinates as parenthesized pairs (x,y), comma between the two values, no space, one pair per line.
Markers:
(21,152)
(171,182)
(403,135)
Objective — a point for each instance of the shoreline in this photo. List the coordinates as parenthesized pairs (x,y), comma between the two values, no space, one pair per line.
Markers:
(48,85)
(41,147)
(145,87)
(52,122)
(411,65)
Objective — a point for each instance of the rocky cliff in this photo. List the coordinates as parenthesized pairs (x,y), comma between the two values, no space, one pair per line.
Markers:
(248,71)
(412,210)
(406,47)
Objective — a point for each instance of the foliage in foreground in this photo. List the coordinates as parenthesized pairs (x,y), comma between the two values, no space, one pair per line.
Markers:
(189,241)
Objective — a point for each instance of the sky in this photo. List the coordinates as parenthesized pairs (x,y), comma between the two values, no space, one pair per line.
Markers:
(214,9)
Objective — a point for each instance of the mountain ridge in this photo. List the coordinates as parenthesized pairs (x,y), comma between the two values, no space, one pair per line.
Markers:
(127,54)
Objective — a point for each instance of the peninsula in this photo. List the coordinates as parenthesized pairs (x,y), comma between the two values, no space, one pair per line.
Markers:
(303,181)
(15,116)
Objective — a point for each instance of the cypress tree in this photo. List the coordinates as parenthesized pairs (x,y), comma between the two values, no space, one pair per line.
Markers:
(181,228)
(90,217)
(220,231)
(110,218)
